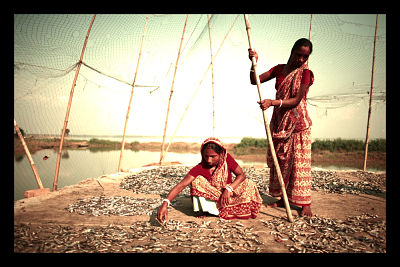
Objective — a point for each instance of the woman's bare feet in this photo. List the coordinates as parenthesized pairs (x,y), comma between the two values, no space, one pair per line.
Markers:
(278,203)
(200,214)
(306,211)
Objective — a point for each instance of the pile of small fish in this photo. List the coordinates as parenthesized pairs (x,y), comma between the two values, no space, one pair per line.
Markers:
(157,181)
(357,234)
(162,180)
(327,181)
(114,205)
(175,236)
(364,233)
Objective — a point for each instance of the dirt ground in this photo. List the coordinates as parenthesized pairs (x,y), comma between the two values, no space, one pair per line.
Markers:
(51,210)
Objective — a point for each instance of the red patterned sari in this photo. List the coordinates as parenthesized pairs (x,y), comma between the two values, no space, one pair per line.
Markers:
(291,135)
(246,200)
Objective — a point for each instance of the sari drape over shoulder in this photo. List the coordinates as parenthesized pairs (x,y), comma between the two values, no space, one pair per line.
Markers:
(246,200)
(291,135)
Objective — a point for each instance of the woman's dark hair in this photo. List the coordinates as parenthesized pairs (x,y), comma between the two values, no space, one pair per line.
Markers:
(213,146)
(302,42)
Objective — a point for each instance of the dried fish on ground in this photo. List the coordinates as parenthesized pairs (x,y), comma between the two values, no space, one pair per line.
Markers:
(357,234)
(363,233)
(114,205)
(176,236)
(161,180)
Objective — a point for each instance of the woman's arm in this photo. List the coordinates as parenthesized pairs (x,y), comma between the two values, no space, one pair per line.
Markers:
(266,76)
(287,103)
(240,177)
(187,180)
(162,214)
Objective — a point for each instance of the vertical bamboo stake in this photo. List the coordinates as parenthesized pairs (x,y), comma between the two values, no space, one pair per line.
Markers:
(35,172)
(130,100)
(198,86)
(69,106)
(172,90)
(212,75)
(370,97)
(267,129)
(309,32)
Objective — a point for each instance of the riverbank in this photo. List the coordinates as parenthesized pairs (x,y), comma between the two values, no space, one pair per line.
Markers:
(323,158)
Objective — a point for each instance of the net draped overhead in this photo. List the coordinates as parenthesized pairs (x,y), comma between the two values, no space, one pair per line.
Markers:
(47,49)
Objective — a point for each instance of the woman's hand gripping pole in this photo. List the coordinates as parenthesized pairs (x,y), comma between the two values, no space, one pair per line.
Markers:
(267,129)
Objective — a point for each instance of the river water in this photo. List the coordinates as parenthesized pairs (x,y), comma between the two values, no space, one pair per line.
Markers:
(80,164)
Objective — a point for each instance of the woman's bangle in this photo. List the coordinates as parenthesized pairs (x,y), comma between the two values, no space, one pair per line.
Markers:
(169,202)
(281,103)
(229,188)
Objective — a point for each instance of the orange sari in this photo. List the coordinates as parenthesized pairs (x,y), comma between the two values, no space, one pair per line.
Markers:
(246,200)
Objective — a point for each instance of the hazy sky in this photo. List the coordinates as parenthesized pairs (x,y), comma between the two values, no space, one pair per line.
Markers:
(341,62)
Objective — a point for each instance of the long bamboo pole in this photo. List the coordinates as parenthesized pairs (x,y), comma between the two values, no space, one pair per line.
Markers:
(309,33)
(130,100)
(370,97)
(267,129)
(198,86)
(69,106)
(212,76)
(172,90)
(35,172)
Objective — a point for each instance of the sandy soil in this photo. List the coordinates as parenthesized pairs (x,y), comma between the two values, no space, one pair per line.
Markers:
(51,209)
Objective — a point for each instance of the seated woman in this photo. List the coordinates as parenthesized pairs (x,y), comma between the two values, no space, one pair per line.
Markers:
(212,189)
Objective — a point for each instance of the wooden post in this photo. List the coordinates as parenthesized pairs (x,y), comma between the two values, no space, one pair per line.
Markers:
(267,129)
(309,34)
(35,172)
(370,97)
(172,90)
(130,100)
(212,76)
(69,106)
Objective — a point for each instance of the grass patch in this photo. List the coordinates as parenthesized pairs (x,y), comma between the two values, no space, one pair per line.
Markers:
(349,145)
(249,145)
(95,141)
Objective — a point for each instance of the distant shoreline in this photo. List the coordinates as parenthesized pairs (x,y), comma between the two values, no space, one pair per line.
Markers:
(354,159)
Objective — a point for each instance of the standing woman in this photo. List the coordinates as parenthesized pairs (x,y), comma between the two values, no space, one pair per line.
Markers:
(290,126)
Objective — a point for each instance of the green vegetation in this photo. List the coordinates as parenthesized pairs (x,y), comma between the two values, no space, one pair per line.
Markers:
(256,142)
(248,145)
(95,141)
(347,145)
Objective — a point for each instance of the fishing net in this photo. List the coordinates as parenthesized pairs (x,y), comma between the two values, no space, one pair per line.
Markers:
(47,49)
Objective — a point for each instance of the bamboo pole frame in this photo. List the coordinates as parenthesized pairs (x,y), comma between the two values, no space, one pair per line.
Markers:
(130,99)
(370,97)
(69,106)
(35,172)
(172,90)
(309,33)
(198,86)
(267,129)
(212,76)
